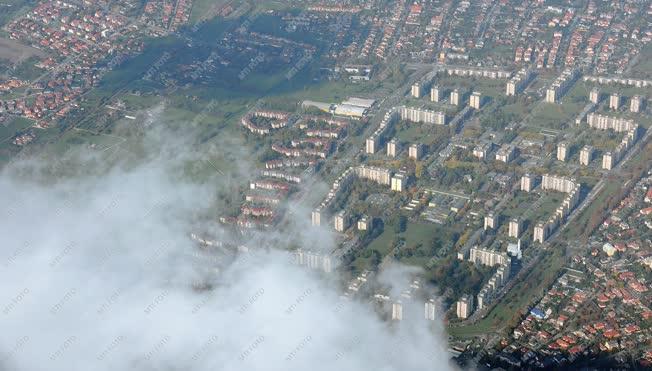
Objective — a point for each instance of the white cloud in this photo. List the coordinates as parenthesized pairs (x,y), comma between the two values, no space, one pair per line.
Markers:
(97,270)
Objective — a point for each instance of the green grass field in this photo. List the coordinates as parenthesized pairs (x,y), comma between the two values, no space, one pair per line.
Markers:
(205,8)
(643,69)
(10,9)
(417,235)
(420,133)
(8,130)
(12,125)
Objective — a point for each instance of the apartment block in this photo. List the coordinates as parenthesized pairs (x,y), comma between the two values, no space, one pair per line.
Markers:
(541,232)
(515,226)
(316,217)
(455,97)
(371,144)
(478,72)
(594,96)
(527,182)
(506,153)
(313,260)
(475,100)
(490,221)
(430,310)
(363,223)
(482,256)
(464,307)
(415,151)
(561,85)
(614,101)
(604,122)
(518,82)
(398,182)
(375,174)
(422,116)
(562,151)
(435,94)
(586,155)
(558,183)
(482,151)
(341,221)
(635,104)
(392,148)
(416,90)
(608,161)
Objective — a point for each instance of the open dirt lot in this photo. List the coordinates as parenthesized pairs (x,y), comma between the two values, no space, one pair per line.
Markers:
(15,52)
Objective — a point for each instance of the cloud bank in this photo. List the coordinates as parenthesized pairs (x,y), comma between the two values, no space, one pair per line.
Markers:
(97,272)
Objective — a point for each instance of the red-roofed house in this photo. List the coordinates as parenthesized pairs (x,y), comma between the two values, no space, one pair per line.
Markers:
(648,195)
(574,350)
(637,286)
(631,329)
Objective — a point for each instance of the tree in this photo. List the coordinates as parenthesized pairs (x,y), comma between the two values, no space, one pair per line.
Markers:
(376,258)
(418,169)
(402,224)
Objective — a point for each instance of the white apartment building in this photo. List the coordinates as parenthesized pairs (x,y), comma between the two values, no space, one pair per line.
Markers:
(475,100)
(430,310)
(562,151)
(397,311)
(376,174)
(506,153)
(527,182)
(415,151)
(435,94)
(518,82)
(514,228)
(398,183)
(416,90)
(604,122)
(483,256)
(371,144)
(586,155)
(316,217)
(490,221)
(422,115)
(392,148)
(558,183)
(561,85)
(614,101)
(313,260)
(341,221)
(635,104)
(608,161)
(541,232)
(363,223)
(455,97)
(594,96)
(464,307)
